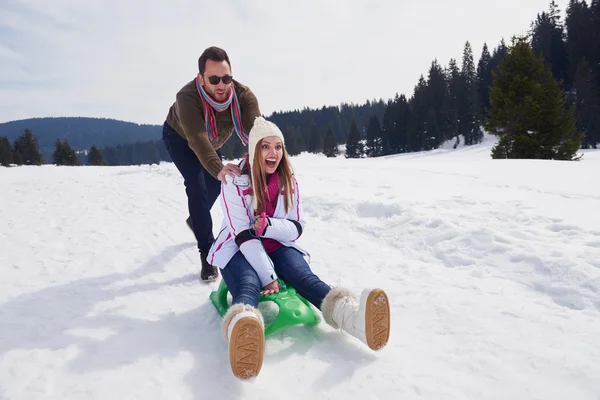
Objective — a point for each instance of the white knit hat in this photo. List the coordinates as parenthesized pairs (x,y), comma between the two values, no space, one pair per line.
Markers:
(262,129)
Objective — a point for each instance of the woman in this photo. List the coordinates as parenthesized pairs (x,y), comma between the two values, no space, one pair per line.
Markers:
(257,246)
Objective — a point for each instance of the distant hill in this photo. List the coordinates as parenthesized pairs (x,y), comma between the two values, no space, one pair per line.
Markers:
(81,132)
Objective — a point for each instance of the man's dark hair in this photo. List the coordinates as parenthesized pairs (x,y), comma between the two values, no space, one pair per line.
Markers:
(212,53)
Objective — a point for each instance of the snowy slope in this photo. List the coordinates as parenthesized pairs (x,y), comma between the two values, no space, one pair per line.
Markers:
(492,268)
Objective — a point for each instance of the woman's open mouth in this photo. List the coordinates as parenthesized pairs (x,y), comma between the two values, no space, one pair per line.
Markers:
(271,162)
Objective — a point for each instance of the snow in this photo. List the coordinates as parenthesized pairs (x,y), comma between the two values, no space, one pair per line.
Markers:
(492,268)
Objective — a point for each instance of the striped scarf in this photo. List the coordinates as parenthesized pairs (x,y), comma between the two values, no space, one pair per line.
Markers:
(210,106)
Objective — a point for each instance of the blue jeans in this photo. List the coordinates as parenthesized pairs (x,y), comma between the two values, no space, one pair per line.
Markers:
(244,285)
(201,188)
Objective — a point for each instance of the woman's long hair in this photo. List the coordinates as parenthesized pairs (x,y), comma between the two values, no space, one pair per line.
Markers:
(259,179)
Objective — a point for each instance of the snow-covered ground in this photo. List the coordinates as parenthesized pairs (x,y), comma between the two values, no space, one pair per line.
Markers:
(492,268)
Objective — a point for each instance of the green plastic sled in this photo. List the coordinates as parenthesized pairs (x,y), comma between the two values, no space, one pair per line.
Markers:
(293,308)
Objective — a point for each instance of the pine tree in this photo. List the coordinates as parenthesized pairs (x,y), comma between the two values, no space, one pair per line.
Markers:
(354,147)
(594,51)
(547,40)
(388,127)
(399,141)
(468,99)
(497,57)
(109,154)
(72,156)
(436,100)
(579,29)
(227,151)
(452,109)
(315,140)
(64,154)
(418,134)
(484,81)
(587,106)
(330,148)
(527,109)
(239,149)
(17,157)
(6,152)
(150,153)
(294,142)
(300,142)
(289,133)
(59,155)
(95,156)
(374,139)
(26,149)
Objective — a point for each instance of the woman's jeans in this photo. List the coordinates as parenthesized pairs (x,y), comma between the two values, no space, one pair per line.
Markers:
(244,285)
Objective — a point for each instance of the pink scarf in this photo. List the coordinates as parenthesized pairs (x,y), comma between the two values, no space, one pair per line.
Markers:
(273,190)
(272,194)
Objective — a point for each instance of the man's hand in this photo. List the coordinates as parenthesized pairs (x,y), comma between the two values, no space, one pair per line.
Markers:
(229,169)
(272,287)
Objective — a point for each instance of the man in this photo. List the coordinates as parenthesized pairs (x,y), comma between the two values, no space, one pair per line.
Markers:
(206,113)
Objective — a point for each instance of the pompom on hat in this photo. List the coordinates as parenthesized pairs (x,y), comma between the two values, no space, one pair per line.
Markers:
(260,130)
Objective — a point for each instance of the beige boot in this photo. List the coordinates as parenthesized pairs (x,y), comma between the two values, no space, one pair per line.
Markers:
(367,319)
(243,327)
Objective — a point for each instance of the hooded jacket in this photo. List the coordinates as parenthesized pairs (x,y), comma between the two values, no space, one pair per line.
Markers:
(236,232)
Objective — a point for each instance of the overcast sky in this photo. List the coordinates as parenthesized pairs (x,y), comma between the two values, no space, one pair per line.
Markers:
(126,59)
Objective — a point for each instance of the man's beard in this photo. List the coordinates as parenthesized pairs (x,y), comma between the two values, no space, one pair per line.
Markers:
(224,96)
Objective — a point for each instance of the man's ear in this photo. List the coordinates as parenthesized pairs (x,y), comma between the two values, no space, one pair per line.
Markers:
(201,78)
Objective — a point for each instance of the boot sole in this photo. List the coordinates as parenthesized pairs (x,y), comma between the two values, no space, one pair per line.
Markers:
(377,324)
(246,348)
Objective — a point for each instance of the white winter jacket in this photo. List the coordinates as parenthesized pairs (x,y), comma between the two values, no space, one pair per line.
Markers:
(236,229)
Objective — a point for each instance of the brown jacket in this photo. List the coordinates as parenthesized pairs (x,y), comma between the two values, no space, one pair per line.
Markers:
(186,117)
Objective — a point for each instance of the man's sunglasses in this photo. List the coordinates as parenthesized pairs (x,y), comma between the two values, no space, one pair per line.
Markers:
(214,80)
